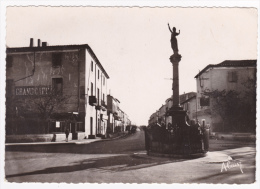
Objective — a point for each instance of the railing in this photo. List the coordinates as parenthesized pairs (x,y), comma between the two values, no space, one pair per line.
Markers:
(180,141)
(104,106)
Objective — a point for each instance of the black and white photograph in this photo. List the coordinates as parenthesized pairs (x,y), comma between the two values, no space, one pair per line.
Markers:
(129,94)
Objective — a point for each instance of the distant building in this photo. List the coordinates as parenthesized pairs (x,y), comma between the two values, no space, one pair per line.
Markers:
(161,115)
(118,120)
(153,118)
(188,102)
(74,70)
(227,75)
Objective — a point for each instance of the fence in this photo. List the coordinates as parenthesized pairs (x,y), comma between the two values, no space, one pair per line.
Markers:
(179,141)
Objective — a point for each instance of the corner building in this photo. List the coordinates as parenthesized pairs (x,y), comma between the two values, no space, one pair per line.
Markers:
(72,69)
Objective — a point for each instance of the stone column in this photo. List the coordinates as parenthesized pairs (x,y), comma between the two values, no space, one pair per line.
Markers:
(175,59)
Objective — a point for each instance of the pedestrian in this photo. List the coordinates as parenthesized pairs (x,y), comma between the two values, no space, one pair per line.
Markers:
(67,132)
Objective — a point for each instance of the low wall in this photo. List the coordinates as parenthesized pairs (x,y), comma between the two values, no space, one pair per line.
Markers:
(60,137)
(234,136)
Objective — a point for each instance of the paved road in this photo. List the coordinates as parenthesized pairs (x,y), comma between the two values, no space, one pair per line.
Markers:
(124,160)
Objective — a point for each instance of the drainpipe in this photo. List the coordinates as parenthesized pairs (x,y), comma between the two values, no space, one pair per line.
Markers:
(78,81)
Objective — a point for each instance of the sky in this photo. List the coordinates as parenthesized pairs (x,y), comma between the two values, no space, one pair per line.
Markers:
(133,44)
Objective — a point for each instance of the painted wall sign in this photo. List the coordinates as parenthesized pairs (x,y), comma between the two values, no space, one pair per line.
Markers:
(32,90)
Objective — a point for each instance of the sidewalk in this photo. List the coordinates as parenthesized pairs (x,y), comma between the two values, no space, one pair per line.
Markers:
(233,136)
(83,141)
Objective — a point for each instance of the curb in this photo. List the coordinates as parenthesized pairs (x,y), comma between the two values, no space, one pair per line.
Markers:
(65,143)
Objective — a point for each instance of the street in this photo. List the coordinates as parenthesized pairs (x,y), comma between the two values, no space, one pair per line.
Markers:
(124,161)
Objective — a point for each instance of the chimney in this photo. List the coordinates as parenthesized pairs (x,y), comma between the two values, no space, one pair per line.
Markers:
(31,42)
(39,42)
(44,44)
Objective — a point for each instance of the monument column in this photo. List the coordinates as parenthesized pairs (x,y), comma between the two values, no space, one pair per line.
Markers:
(176,111)
(175,59)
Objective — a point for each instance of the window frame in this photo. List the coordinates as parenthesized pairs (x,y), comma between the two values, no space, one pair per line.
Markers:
(56,59)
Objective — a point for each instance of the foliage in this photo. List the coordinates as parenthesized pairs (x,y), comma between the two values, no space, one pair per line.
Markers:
(238,111)
(42,105)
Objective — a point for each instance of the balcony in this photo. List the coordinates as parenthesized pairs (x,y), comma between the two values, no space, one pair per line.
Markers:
(98,106)
(104,106)
(92,101)
(116,116)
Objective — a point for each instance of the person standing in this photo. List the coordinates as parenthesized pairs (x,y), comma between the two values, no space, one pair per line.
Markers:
(67,132)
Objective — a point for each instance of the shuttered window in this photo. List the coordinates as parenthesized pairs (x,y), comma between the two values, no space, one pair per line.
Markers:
(232,77)
(57,84)
(56,59)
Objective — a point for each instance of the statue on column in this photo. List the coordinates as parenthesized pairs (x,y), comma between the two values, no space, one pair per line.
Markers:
(174,43)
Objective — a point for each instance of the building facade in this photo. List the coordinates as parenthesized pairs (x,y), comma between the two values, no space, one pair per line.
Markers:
(34,72)
(237,76)
(118,120)
(188,102)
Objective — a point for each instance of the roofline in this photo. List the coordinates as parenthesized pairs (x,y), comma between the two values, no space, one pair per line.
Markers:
(117,100)
(114,98)
(58,47)
(220,65)
(188,99)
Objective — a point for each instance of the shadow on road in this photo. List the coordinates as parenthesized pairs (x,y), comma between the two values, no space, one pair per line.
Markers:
(131,143)
(106,164)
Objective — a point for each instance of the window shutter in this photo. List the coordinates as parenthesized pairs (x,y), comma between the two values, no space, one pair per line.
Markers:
(56,59)
(234,76)
(230,76)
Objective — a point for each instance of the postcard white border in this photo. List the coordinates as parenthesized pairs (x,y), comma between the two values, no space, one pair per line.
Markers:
(150,3)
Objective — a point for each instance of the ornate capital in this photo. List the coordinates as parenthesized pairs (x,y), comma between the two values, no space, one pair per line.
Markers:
(175,58)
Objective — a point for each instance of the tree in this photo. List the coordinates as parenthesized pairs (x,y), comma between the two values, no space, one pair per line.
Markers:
(46,105)
(24,110)
(226,104)
(236,111)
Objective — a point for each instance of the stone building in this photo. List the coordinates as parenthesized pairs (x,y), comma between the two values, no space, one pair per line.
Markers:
(188,102)
(74,70)
(230,75)
(153,118)
(118,120)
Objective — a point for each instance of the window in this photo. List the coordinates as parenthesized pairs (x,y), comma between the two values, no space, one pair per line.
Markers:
(57,84)
(204,101)
(91,90)
(98,94)
(9,61)
(98,74)
(56,59)
(92,66)
(232,77)
(103,97)
(104,79)
(91,125)
(198,103)
(98,126)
